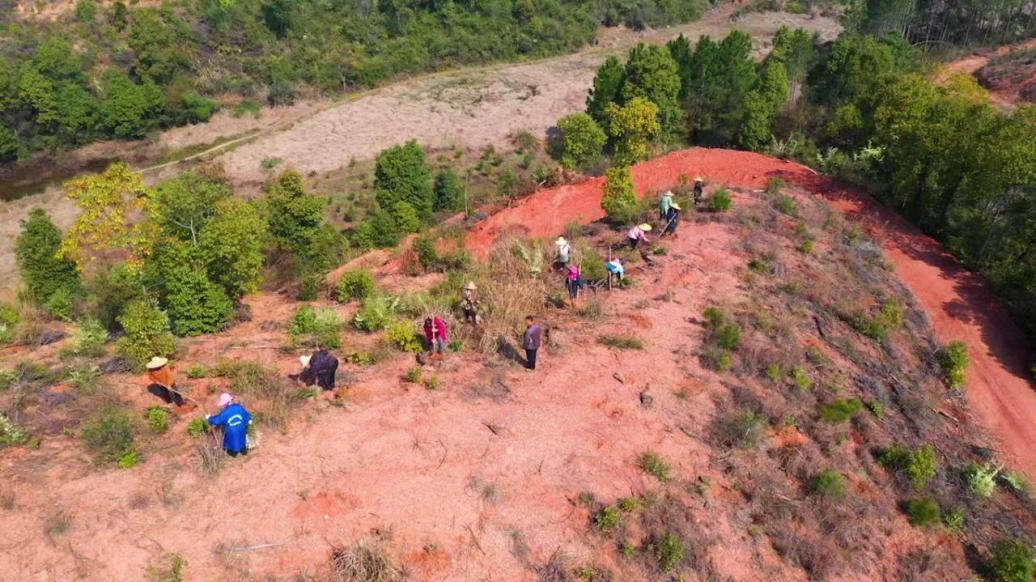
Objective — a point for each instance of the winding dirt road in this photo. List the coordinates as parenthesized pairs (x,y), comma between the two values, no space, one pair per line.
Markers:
(959,305)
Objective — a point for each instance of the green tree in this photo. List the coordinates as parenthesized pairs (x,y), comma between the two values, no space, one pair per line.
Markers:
(193,303)
(762,105)
(231,246)
(652,74)
(796,49)
(128,110)
(582,140)
(147,334)
(186,203)
(111,291)
(158,45)
(42,269)
(607,85)
(401,174)
(296,223)
(9,145)
(449,191)
(632,127)
(114,217)
(406,218)
(619,201)
(720,76)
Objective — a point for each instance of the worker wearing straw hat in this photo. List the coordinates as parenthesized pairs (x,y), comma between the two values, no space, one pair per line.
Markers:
(469,302)
(673,220)
(664,203)
(637,234)
(163,381)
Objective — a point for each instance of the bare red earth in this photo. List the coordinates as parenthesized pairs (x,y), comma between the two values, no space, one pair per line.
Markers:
(956,300)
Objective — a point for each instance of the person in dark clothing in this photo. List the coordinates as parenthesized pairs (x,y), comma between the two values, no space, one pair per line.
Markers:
(531,341)
(699,189)
(320,369)
(673,219)
(235,420)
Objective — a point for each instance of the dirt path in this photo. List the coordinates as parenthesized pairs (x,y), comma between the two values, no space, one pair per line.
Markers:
(959,305)
(1004,94)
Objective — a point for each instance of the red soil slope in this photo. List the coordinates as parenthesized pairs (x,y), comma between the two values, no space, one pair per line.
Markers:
(959,305)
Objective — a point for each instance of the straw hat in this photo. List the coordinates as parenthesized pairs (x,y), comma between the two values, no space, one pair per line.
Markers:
(699,179)
(561,241)
(470,286)
(304,360)
(156,363)
(645,227)
(675,206)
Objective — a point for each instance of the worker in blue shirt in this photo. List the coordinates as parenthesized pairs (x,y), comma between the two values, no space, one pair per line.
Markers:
(235,420)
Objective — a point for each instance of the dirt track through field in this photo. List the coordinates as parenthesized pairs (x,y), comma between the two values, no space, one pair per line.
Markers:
(958,303)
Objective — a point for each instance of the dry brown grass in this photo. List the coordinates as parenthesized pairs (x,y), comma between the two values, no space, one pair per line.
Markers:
(363,562)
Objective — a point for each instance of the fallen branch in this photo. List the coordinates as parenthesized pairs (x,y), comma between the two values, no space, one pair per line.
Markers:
(474,540)
(947,415)
(252,548)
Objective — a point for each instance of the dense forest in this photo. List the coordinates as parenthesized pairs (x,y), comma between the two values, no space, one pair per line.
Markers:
(858,109)
(115,71)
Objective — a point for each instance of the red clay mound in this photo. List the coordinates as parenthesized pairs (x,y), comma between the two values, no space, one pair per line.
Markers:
(959,305)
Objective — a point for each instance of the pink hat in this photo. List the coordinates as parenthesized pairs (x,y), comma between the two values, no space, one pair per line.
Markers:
(225,399)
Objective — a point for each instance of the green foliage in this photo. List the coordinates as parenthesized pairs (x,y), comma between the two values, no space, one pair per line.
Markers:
(621,342)
(652,74)
(981,479)
(653,464)
(312,327)
(919,465)
(632,127)
(194,304)
(714,318)
(607,519)
(403,335)
(355,284)
(619,201)
(775,373)
(401,174)
(157,419)
(839,411)
(923,512)
(413,375)
(12,434)
(197,371)
(786,205)
(876,408)
(129,110)
(953,359)
(1011,561)
(955,519)
(668,552)
(88,340)
(43,271)
(889,318)
(716,78)
(721,201)
(197,427)
(1018,482)
(109,434)
(147,334)
(375,313)
(828,483)
(60,305)
(582,140)
(728,337)
(448,191)
(111,292)
(801,380)
(296,223)
(605,91)
(169,569)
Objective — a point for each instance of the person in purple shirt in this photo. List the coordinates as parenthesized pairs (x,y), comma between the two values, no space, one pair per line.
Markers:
(531,341)
(235,420)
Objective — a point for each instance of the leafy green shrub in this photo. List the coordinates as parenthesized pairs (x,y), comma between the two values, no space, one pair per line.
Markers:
(8,323)
(128,460)
(786,205)
(169,569)
(981,479)
(728,337)
(775,373)
(876,408)
(582,140)
(249,377)
(630,504)
(88,340)
(890,317)
(653,464)
(85,379)
(923,511)
(1011,561)
(919,465)
(12,434)
(109,434)
(401,174)
(431,383)
(828,483)
(147,334)
(806,247)
(607,519)
(801,380)
(197,371)
(668,552)
(718,359)
(839,411)
(413,375)
(60,305)
(619,201)
(316,327)
(157,419)
(953,360)
(955,519)
(714,318)
(721,201)
(1018,482)
(197,427)
(355,284)
(621,342)
(375,313)
(40,264)
(403,335)
(775,185)
(448,190)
